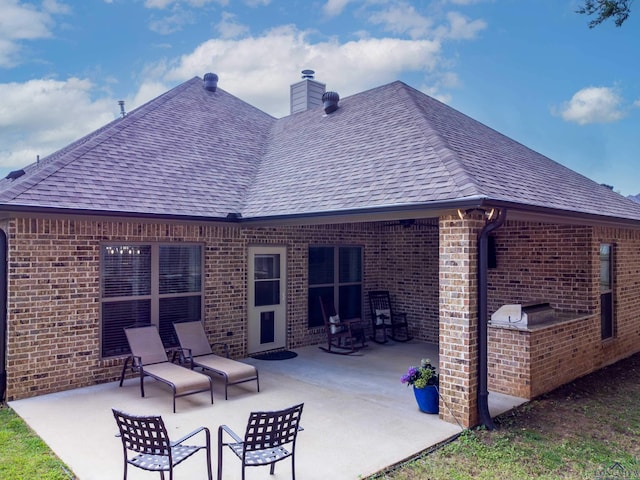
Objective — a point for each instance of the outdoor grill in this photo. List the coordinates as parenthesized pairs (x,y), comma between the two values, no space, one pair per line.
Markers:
(524,315)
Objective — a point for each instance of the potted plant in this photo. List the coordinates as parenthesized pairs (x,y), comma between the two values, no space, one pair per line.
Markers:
(424,380)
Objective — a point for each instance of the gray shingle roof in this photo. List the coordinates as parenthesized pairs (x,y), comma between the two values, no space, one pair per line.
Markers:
(201,154)
(188,152)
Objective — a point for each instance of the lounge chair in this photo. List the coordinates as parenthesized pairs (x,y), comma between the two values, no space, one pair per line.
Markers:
(269,438)
(146,444)
(193,340)
(149,358)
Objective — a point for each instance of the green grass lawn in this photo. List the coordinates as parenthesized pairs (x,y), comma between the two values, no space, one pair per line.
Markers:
(588,429)
(23,455)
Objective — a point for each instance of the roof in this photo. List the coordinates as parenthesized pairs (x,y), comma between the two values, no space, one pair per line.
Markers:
(195,153)
(189,152)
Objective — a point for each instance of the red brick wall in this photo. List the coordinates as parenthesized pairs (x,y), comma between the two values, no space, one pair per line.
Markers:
(54,307)
(529,363)
(537,261)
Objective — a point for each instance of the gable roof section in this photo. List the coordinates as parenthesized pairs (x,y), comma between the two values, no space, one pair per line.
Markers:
(200,154)
(188,152)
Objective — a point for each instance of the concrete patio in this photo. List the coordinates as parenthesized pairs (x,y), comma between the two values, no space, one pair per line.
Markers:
(358,418)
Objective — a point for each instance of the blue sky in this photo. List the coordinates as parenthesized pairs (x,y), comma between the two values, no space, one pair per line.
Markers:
(532,70)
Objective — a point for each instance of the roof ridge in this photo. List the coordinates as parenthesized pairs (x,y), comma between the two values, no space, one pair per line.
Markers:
(61,158)
(459,174)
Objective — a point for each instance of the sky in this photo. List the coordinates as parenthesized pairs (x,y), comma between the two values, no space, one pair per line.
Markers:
(532,70)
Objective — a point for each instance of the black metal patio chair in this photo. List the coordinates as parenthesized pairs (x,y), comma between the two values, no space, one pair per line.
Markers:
(270,438)
(146,444)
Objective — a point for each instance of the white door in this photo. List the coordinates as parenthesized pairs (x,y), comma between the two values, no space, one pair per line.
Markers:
(267,309)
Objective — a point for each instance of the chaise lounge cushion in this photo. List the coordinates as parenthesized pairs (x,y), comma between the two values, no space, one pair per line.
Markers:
(192,337)
(185,381)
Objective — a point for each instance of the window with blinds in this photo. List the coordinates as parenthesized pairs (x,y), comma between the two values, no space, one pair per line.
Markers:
(148,284)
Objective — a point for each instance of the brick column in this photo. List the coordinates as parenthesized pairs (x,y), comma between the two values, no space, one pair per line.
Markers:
(458,336)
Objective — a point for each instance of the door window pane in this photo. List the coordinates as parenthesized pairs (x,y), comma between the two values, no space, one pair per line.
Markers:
(266,267)
(267,292)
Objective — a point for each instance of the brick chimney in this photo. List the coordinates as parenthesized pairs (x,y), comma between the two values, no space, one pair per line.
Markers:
(307,93)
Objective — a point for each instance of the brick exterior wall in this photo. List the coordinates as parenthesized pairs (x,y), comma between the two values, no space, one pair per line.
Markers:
(562,263)
(54,287)
(430,270)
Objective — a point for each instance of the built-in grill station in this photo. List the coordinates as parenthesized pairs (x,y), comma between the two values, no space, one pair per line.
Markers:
(524,315)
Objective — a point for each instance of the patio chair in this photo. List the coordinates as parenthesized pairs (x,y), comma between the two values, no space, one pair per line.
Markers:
(342,335)
(193,340)
(269,438)
(146,444)
(149,358)
(384,319)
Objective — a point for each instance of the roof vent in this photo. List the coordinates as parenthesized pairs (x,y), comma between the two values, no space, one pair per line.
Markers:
(210,82)
(15,174)
(330,101)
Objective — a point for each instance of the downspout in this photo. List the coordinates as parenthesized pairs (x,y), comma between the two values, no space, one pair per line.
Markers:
(483,321)
(3,315)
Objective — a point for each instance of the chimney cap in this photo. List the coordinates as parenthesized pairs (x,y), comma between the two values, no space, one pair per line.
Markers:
(210,82)
(308,74)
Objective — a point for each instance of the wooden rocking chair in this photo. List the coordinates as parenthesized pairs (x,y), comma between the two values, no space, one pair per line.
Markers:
(385,319)
(342,335)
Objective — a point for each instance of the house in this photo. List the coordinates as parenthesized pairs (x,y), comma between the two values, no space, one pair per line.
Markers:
(199,206)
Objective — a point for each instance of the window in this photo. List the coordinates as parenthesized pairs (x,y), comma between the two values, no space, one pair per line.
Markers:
(148,284)
(606,291)
(335,272)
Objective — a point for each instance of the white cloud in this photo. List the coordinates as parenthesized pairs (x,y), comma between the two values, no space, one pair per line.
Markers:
(593,105)
(40,116)
(53,6)
(461,28)
(228,27)
(20,22)
(159,4)
(402,18)
(162,4)
(171,23)
(260,69)
(334,7)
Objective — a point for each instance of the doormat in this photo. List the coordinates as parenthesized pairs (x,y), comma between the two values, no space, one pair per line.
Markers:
(277,355)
